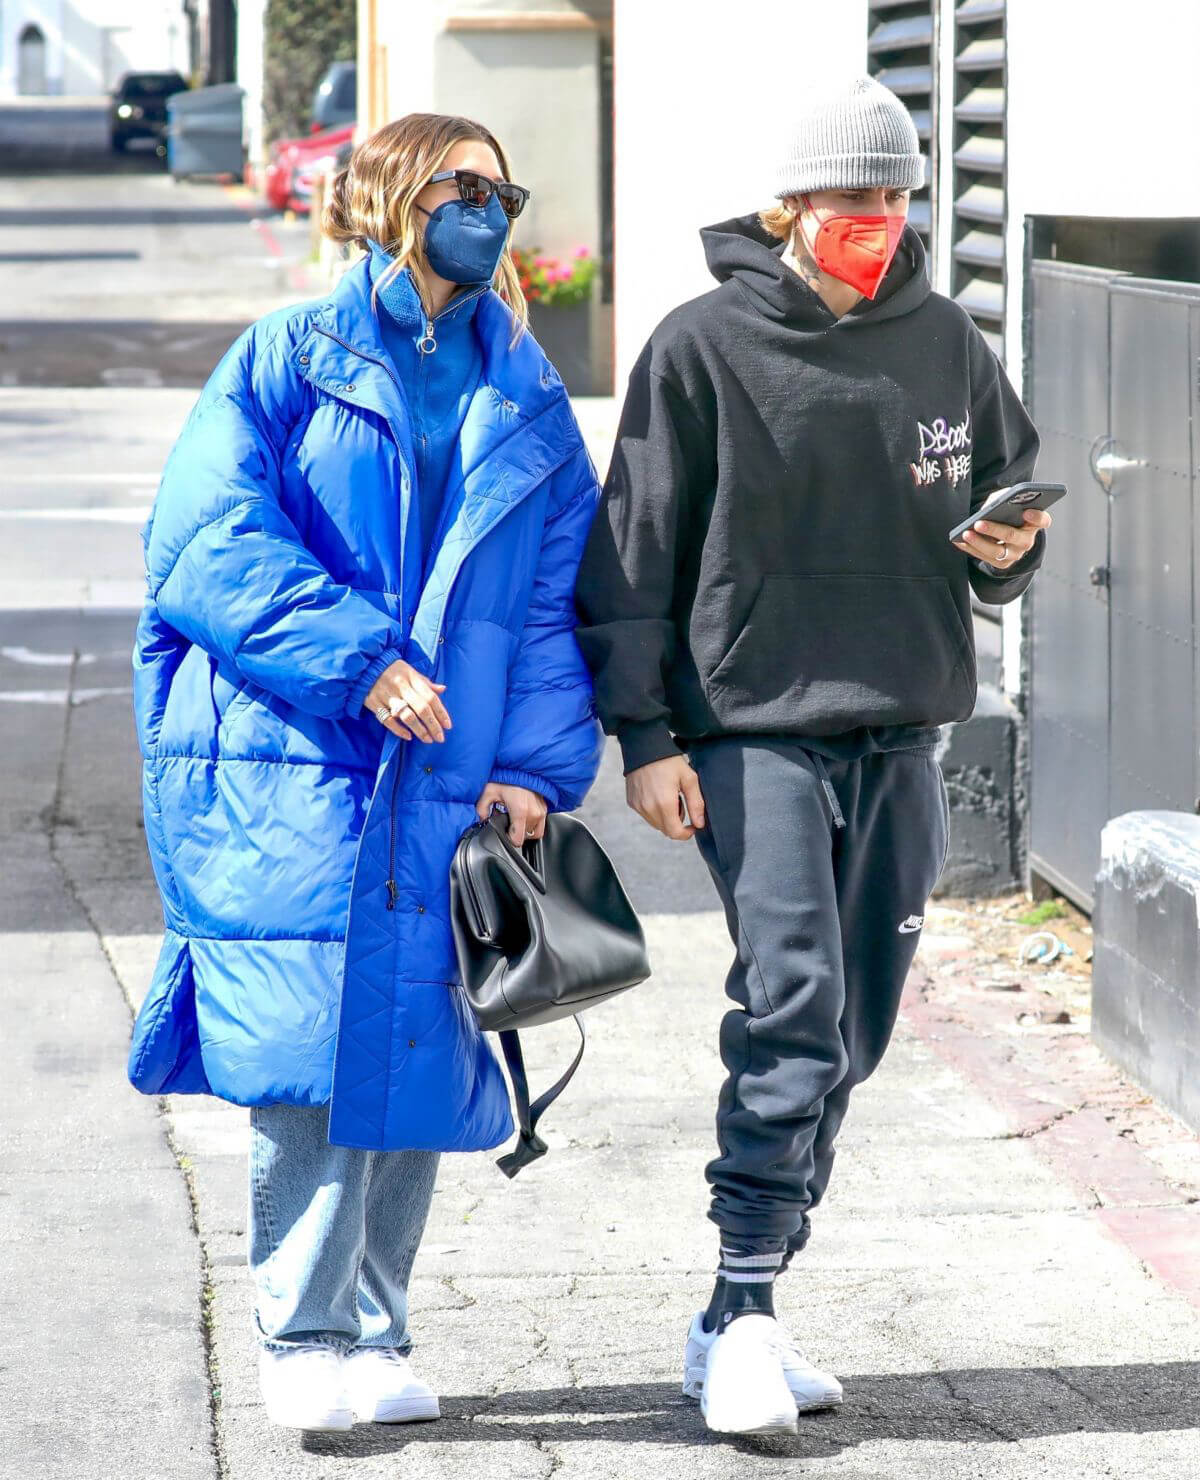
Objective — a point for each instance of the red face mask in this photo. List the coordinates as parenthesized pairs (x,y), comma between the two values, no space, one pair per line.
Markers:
(856,249)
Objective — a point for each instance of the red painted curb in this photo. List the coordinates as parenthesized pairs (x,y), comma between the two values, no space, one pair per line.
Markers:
(1053,1092)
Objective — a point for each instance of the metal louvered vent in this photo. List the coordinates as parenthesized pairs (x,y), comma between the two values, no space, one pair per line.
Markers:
(977,279)
(901,47)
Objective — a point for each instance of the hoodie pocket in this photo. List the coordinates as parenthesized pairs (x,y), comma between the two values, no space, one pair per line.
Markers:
(822,654)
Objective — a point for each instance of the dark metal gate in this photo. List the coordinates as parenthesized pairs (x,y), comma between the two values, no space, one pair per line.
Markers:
(1115,677)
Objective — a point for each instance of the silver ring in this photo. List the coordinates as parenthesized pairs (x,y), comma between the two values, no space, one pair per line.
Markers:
(1004,547)
(383,714)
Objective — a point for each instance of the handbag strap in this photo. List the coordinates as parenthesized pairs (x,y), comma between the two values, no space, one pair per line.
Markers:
(529,1144)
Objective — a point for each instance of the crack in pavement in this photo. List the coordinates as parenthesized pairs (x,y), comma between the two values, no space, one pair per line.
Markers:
(1028,1132)
(977,1418)
(466,1301)
(543,1448)
(540,1343)
(1060,1376)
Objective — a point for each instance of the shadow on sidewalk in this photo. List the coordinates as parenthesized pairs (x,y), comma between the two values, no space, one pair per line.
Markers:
(972,1406)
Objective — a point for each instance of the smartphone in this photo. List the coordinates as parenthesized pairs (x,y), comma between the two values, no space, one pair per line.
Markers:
(1008,505)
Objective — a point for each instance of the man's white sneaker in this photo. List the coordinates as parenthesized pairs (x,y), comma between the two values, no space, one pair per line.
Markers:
(744,1389)
(810,1387)
(303,1387)
(384,1389)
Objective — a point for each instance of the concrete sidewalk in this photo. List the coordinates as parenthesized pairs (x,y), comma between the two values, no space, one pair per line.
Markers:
(988,1312)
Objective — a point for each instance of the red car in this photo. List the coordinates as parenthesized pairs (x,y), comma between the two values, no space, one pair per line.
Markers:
(287,180)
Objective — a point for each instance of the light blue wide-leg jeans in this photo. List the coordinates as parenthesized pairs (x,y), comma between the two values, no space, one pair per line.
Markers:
(333,1232)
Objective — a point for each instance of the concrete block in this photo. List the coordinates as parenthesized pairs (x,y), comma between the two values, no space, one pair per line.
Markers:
(1146,975)
(977,761)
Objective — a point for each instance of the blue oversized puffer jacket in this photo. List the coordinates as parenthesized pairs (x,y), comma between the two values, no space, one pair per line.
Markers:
(284,575)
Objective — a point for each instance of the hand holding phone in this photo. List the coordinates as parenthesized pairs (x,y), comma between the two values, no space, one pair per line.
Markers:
(1003,529)
(1008,505)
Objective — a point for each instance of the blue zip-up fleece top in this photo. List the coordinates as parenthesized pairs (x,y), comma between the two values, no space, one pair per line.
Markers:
(438,382)
(301,850)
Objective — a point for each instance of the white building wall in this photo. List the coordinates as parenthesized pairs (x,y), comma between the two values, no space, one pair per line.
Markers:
(1103,119)
(705,92)
(396,60)
(543,104)
(250,51)
(90,43)
(537,89)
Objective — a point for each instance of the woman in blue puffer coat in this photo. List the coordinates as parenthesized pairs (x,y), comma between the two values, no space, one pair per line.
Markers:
(357,638)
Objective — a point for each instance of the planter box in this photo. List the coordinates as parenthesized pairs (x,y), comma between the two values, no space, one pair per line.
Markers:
(564,332)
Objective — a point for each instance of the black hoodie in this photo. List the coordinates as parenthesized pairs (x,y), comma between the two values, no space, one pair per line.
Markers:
(771,555)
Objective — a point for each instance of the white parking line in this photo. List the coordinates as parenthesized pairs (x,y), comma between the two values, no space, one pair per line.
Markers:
(113,478)
(57,696)
(44,660)
(133,514)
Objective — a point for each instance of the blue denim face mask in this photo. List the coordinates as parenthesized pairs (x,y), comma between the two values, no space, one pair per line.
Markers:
(463,243)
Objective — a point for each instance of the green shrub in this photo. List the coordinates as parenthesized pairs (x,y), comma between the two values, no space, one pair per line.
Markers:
(1049,909)
(301,39)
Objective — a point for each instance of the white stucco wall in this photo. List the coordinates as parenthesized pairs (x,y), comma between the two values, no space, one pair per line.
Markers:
(250,16)
(1103,118)
(90,43)
(395,59)
(516,91)
(704,96)
(538,90)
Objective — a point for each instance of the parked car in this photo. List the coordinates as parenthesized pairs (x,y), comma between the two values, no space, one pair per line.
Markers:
(336,99)
(138,108)
(294,163)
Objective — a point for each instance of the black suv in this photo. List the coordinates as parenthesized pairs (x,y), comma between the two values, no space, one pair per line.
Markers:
(139,107)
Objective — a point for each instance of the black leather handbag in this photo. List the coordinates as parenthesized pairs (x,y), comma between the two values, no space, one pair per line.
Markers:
(541,932)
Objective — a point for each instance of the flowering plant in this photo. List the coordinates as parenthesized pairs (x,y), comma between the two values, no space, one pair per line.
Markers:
(550,280)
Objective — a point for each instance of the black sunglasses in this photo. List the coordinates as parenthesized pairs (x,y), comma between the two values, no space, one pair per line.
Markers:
(477,190)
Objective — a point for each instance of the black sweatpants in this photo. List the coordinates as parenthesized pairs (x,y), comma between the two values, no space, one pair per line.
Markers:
(824,868)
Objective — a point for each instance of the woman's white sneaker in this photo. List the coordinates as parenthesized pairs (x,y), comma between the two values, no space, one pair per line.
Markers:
(384,1389)
(744,1389)
(303,1387)
(810,1387)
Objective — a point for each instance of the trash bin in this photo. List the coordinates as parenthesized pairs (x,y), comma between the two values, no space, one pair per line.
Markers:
(204,131)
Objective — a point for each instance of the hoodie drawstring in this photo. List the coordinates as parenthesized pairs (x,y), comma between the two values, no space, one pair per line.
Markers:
(823,776)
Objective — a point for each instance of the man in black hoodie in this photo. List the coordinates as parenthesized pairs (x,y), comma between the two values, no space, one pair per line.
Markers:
(777,624)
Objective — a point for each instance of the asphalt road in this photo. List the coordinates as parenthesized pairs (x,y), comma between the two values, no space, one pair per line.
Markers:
(986,1320)
(112,274)
(64,136)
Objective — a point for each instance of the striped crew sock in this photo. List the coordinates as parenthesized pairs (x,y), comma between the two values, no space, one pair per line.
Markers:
(745,1283)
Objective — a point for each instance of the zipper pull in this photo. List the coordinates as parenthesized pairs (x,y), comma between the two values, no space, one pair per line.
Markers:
(428,344)
(392,892)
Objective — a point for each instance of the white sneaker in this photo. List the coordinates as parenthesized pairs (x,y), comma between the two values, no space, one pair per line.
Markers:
(744,1389)
(303,1387)
(384,1389)
(810,1387)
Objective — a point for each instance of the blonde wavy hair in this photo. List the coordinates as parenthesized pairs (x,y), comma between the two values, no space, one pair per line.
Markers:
(780,219)
(374,198)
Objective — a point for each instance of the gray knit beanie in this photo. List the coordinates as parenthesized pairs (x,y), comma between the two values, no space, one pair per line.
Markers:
(859,137)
